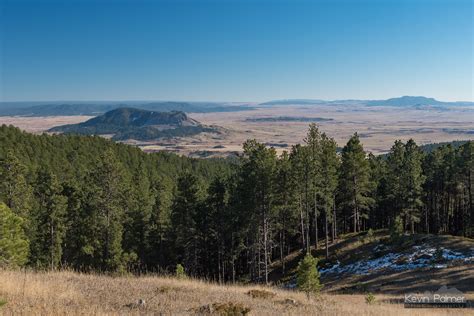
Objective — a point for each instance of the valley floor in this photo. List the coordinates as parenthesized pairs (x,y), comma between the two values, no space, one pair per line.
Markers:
(70,293)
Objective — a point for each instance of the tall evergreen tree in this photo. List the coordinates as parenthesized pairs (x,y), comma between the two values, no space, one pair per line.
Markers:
(184,210)
(286,206)
(15,192)
(138,212)
(104,206)
(49,221)
(354,181)
(159,245)
(329,166)
(258,176)
(218,215)
(395,191)
(313,179)
(300,160)
(467,173)
(412,179)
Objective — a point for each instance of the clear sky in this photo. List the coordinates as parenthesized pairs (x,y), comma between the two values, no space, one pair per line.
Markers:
(235,50)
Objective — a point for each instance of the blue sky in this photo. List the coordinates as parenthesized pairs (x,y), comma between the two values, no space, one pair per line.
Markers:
(235,50)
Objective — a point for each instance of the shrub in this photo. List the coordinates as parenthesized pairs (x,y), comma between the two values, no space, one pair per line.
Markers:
(2,302)
(369,298)
(370,234)
(180,273)
(396,230)
(308,275)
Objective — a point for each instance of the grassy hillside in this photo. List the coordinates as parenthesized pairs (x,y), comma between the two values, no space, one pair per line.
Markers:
(61,293)
(360,263)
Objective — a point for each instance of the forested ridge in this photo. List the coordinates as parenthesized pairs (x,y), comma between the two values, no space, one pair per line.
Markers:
(90,204)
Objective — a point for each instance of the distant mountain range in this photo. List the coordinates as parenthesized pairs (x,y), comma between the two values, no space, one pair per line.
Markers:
(138,124)
(405,101)
(93,108)
(96,108)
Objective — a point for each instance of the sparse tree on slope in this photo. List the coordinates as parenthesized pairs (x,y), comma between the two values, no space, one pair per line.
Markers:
(307,278)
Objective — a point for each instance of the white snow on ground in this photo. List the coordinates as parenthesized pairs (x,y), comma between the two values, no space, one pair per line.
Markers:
(419,257)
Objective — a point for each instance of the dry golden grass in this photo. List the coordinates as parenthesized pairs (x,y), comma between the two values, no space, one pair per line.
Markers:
(69,293)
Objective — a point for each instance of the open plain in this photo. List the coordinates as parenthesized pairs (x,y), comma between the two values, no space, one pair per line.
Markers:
(378,127)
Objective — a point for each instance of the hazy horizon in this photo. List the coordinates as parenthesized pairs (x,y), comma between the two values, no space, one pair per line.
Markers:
(223,101)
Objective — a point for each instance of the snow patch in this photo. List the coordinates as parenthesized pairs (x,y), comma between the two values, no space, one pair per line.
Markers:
(419,257)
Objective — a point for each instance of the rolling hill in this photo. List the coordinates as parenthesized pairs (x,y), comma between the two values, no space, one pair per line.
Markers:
(358,265)
(131,123)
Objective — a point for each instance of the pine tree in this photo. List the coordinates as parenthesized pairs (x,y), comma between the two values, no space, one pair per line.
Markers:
(300,160)
(104,208)
(354,181)
(313,179)
(307,278)
(466,175)
(395,191)
(186,201)
(14,245)
(286,207)
(412,179)
(159,247)
(15,192)
(49,221)
(329,165)
(258,171)
(77,225)
(138,212)
(380,210)
(218,229)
